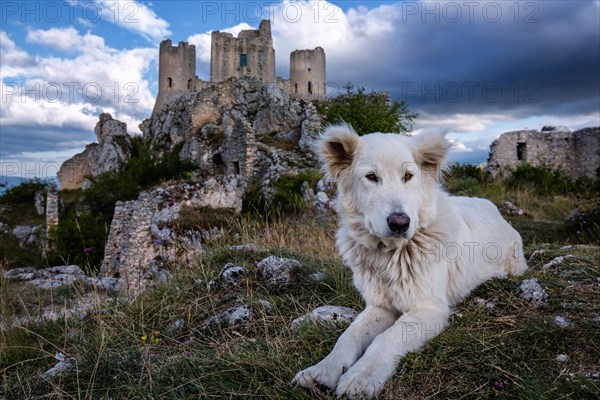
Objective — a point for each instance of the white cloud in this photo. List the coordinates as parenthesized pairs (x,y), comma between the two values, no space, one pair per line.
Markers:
(202,41)
(136,17)
(12,60)
(55,102)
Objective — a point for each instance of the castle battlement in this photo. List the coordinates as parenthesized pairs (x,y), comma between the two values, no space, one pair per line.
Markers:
(249,55)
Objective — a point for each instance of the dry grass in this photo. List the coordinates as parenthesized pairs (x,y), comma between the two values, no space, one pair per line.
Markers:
(505,352)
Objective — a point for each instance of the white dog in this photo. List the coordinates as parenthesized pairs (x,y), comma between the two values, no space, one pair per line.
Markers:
(415,252)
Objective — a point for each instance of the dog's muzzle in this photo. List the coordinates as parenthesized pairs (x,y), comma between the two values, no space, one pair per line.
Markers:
(398,222)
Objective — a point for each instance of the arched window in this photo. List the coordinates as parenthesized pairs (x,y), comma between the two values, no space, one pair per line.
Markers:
(309,87)
(169,82)
(243,60)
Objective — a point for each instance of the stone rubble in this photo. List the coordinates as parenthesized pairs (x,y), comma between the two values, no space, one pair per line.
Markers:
(233,316)
(556,261)
(230,275)
(28,235)
(530,290)
(332,316)
(562,322)
(142,242)
(277,270)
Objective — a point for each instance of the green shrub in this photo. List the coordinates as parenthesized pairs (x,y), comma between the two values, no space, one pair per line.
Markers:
(367,112)
(548,182)
(287,197)
(464,179)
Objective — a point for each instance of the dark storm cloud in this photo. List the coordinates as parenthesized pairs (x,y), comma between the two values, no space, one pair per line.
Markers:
(17,139)
(525,58)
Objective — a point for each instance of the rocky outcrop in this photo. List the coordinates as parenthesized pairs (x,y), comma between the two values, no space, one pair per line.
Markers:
(239,127)
(28,235)
(574,153)
(111,153)
(143,242)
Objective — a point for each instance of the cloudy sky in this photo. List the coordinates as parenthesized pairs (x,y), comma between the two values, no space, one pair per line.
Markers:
(472,68)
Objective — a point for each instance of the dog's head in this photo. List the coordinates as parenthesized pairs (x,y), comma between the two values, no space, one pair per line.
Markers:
(387,179)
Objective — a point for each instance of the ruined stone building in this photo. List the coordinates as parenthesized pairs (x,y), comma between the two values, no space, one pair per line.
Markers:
(576,153)
(249,55)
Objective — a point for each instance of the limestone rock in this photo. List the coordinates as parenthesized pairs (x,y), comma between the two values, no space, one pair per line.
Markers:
(562,322)
(237,315)
(64,364)
(28,235)
(556,261)
(229,276)
(332,316)
(277,270)
(530,290)
(40,202)
(48,278)
(111,153)
(238,127)
(108,127)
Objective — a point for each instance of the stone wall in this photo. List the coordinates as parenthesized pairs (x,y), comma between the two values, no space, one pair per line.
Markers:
(251,55)
(307,74)
(143,244)
(575,153)
(52,212)
(176,72)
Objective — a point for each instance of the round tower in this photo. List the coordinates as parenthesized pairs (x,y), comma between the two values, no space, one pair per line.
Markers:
(307,74)
(176,71)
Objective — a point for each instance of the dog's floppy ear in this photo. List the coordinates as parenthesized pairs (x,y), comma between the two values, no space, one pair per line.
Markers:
(431,151)
(337,147)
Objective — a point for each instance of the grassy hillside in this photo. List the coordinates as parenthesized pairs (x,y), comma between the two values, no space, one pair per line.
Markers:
(156,346)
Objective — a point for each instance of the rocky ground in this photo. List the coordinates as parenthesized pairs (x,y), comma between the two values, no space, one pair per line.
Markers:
(242,319)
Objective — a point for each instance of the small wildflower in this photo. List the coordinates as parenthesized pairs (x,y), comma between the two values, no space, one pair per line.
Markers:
(87,250)
(171,203)
(144,338)
(155,337)
(188,353)
(157,241)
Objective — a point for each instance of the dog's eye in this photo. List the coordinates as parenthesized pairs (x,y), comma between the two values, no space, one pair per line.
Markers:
(407,176)
(372,177)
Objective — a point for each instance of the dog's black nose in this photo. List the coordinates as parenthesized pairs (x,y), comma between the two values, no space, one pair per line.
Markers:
(398,222)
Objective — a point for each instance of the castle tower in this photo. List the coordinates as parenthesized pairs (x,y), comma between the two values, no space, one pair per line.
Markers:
(251,54)
(176,71)
(307,74)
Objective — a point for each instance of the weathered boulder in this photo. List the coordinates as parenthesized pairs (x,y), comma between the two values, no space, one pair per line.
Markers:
(28,235)
(111,153)
(277,270)
(331,316)
(236,315)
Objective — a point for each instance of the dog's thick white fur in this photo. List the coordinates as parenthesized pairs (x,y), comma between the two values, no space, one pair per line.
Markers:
(415,252)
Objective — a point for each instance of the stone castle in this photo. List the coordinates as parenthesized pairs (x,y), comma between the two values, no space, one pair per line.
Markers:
(249,55)
(574,153)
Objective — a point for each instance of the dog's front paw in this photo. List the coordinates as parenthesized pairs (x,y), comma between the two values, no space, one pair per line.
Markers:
(358,385)
(322,373)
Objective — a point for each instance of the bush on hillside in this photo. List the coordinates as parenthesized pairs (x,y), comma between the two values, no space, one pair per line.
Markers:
(367,112)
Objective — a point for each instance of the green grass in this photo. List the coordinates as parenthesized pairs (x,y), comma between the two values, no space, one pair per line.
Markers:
(503,352)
